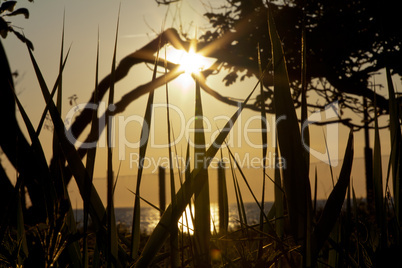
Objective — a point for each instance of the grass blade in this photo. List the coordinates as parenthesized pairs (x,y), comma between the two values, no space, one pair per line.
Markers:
(305,133)
(248,186)
(334,203)
(135,233)
(315,191)
(185,221)
(202,229)
(111,223)
(278,192)
(333,258)
(295,178)
(377,182)
(90,161)
(59,92)
(146,201)
(243,214)
(55,86)
(264,150)
(174,232)
(187,177)
(329,160)
(239,200)
(56,167)
(21,237)
(396,139)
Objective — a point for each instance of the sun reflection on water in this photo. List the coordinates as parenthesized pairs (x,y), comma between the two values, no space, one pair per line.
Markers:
(150,217)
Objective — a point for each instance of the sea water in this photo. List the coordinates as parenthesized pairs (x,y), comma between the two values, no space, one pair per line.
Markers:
(150,217)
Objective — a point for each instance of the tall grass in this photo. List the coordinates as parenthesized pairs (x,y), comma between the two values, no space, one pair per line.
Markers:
(202,218)
(293,233)
(264,149)
(174,233)
(135,239)
(90,162)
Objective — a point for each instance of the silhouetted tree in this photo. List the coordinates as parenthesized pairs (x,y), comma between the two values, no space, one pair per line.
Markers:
(347,43)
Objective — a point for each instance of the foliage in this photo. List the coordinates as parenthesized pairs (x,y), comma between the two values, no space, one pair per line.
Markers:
(7,9)
(347,42)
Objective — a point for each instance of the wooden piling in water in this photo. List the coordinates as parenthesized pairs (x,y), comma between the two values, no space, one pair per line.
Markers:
(223,205)
(162,189)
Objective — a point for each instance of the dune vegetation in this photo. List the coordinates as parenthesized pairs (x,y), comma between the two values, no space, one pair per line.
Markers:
(294,233)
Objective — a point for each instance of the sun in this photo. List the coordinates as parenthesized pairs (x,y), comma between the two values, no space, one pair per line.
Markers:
(190,62)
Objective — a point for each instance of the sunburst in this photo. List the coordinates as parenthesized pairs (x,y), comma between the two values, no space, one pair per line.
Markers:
(190,62)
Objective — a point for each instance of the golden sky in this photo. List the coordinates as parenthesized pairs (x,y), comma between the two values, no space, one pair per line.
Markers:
(139,22)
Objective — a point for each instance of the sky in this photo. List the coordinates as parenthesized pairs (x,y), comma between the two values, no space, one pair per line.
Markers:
(139,22)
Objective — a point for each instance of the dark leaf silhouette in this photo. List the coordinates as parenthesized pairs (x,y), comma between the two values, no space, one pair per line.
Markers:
(8,5)
(20,11)
(3,28)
